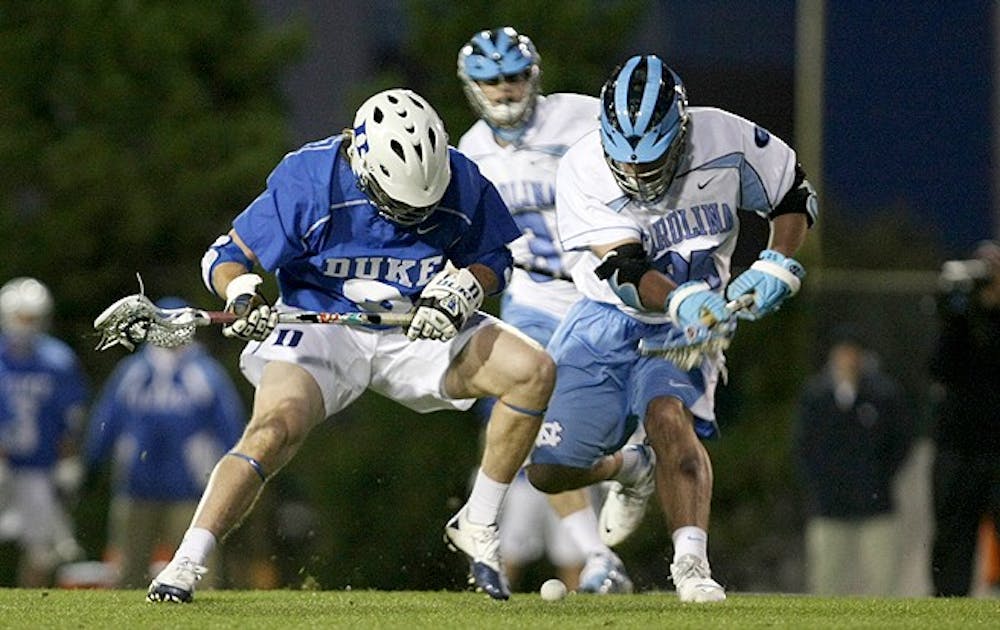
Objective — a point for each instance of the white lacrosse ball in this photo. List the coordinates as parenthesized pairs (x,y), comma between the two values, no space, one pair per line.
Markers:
(553,590)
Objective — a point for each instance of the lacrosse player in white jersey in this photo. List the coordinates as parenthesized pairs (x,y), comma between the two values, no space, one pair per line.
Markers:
(653,201)
(383,217)
(517,144)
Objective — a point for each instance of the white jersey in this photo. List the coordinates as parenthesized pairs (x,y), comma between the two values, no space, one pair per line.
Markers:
(525,175)
(690,232)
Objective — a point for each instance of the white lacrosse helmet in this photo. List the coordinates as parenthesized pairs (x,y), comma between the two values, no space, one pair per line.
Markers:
(399,152)
(25,308)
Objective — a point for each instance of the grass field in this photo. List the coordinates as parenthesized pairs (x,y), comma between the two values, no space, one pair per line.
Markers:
(285,610)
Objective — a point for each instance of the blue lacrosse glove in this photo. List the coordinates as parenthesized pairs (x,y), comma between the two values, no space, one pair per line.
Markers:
(695,308)
(772,279)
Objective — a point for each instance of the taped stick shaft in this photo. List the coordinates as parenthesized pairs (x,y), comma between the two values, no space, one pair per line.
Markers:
(318,317)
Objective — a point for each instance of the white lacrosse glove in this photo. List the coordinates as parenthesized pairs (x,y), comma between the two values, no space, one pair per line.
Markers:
(255,317)
(772,279)
(445,304)
(695,308)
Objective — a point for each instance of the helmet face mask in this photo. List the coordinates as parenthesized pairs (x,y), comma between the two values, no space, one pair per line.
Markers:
(399,152)
(647,181)
(497,55)
(25,309)
(644,126)
(395,211)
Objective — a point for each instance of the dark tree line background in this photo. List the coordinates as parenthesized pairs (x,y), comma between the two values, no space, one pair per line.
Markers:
(130,135)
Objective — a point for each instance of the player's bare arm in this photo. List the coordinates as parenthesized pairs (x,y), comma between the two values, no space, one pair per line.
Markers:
(486,277)
(624,266)
(225,272)
(788,233)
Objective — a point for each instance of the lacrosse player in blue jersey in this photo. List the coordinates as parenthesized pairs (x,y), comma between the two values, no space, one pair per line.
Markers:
(651,198)
(385,217)
(517,143)
(43,395)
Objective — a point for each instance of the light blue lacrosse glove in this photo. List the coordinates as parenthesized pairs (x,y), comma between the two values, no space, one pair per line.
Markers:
(772,279)
(695,308)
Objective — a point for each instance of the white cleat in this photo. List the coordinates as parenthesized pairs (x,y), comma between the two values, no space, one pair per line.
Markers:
(176,581)
(604,574)
(481,544)
(625,506)
(693,581)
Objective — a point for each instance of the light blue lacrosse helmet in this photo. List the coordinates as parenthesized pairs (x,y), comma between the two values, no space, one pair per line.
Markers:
(643,124)
(491,56)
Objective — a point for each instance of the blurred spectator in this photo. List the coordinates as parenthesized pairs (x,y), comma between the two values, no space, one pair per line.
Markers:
(852,432)
(966,367)
(164,418)
(43,392)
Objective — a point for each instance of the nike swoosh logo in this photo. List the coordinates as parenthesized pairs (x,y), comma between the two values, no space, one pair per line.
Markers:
(425,230)
(674,383)
(705,183)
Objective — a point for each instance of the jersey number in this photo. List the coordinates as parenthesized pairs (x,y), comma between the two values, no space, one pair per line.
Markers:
(701,266)
(288,337)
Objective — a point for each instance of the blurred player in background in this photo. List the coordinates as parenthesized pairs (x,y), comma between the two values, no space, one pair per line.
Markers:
(517,144)
(966,367)
(652,200)
(44,394)
(384,217)
(164,418)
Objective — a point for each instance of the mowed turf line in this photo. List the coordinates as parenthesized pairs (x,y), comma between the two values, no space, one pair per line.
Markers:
(281,610)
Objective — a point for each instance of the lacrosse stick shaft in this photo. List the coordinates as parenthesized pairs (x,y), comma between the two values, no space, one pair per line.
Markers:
(548,273)
(732,307)
(316,317)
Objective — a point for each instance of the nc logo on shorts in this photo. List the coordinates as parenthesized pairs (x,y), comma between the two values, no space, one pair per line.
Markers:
(549,434)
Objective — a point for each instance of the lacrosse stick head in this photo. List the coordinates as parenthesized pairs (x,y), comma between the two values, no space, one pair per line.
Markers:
(134,320)
(686,352)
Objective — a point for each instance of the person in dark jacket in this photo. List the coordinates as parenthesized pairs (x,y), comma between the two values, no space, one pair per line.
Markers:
(966,368)
(852,432)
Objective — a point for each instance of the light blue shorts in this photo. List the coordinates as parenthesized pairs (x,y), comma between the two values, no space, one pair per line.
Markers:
(603,386)
(537,324)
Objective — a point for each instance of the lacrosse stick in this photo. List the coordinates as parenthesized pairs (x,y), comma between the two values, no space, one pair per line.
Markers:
(686,353)
(548,273)
(134,320)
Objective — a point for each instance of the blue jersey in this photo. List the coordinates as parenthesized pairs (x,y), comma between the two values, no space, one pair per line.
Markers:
(44,393)
(332,251)
(167,416)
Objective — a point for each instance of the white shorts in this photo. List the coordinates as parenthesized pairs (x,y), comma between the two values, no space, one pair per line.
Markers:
(347,360)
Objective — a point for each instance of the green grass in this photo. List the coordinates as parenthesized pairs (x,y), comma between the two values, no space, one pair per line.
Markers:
(285,610)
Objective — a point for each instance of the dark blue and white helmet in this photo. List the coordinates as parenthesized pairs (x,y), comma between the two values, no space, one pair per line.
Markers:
(495,55)
(643,123)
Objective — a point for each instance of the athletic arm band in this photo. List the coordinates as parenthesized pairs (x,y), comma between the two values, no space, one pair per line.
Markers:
(623,267)
(800,198)
(223,250)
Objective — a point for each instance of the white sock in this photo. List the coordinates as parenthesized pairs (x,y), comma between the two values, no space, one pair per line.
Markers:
(485,500)
(690,540)
(632,457)
(196,546)
(582,528)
